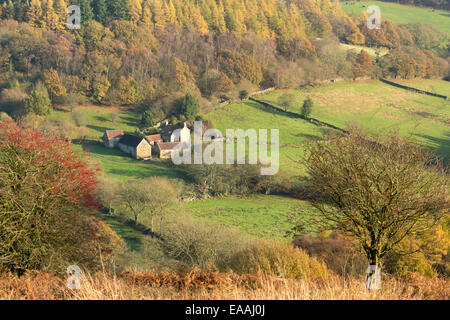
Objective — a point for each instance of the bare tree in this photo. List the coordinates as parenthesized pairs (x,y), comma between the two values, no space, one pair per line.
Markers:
(378,189)
(152,198)
(162,197)
(135,196)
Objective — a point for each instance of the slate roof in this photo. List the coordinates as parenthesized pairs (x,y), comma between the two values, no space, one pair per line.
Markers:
(130,140)
(168,130)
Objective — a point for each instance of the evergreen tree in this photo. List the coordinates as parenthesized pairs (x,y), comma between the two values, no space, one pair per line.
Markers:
(189,106)
(8,10)
(100,11)
(61,12)
(86,10)
(38,103)
(118,10)
(50,16)
(134,8)
(307,108)
(34,14)
(147,119)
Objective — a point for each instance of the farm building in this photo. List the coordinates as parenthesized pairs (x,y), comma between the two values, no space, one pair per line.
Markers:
(176,133)
(154,139)
(164,149)
(138,148)
(112,137)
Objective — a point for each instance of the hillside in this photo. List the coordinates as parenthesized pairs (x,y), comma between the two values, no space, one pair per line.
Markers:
(375,106)
(402,14)
(91,114)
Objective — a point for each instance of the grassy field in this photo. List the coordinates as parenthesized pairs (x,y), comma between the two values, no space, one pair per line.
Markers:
(262,216)
(294,132)
(97,119)
(380,108)
(435,86)
(403,14)
(118,165)
(141,252)
(376,106)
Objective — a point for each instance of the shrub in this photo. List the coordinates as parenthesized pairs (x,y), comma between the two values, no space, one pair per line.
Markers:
(80,118)
(222,180)
(198,244)
(46,205)
(341,254)
(307,108)
(38,103)
(428,254)
(243,95)
(277,259)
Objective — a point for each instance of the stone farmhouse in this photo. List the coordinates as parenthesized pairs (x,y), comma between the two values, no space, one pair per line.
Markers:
(138,148)
(176,133)
(161,144)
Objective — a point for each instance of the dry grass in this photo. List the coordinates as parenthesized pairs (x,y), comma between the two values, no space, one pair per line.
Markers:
(203,285)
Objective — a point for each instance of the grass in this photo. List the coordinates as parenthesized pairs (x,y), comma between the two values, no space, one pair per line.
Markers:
(380,108)
(141,252)
(97,119)
(202,285)
(268,217)
(435,86)
(403,14)
(118,165)
(294,132)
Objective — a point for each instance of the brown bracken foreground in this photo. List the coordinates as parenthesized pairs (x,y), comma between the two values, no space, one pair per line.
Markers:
(204,285)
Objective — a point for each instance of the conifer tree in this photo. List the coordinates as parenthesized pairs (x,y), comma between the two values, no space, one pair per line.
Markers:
(100,11)
(86,10)
(8,10)
(50,17)
(34,14)
(134,8)
(61,12)
(147,16)
(118,10)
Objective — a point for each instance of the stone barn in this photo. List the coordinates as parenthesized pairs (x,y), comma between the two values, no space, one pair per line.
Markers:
(138,148)
(112,137)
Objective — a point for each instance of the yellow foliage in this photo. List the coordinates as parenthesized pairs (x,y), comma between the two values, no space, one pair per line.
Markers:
(278,259)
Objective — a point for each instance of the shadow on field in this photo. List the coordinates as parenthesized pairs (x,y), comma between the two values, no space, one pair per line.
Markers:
(97,128)
(443,146)
(130,121)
